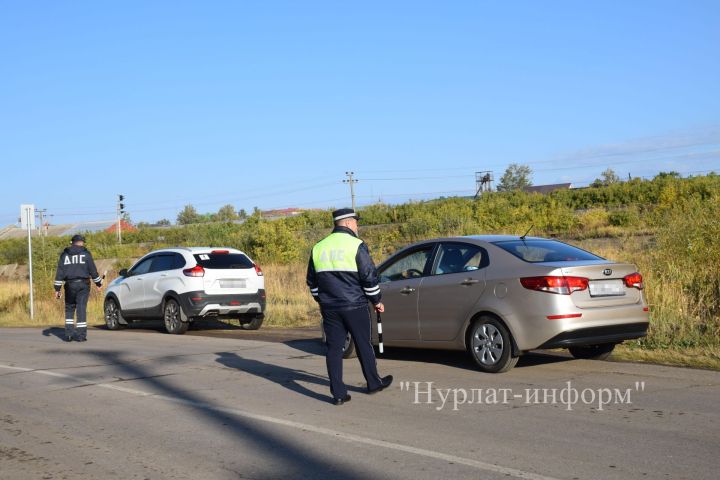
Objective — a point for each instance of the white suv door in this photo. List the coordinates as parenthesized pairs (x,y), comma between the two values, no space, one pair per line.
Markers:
(132,292)
(163,276)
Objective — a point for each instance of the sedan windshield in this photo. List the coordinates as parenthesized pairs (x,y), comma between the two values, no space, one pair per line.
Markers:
(537,251)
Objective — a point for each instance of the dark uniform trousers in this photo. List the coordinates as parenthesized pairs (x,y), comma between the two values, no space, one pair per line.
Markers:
(77,293)
(336,324)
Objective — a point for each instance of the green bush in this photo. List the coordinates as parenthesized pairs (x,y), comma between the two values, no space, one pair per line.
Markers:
(623,218)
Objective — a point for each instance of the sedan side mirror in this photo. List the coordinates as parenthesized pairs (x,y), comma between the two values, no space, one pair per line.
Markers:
(123,272)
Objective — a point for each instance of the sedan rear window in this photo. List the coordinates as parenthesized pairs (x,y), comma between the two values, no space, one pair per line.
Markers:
(537,251)
(223,260)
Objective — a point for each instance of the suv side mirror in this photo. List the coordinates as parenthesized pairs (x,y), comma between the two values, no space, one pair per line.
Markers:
(123,273)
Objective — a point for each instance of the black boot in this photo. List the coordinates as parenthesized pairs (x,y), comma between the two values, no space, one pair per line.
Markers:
(68,332)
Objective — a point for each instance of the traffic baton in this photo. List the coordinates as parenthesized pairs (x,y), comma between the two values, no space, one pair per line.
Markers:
(379,326)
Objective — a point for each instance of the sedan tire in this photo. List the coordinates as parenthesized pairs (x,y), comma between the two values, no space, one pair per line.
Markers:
(593,352)
(349,347)
(253,324)
(490,345)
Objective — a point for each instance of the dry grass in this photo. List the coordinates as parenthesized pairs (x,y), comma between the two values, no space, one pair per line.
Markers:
(15,306)
(695,357)
(289,301)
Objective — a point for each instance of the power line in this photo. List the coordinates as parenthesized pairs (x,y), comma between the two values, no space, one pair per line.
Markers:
(564,158)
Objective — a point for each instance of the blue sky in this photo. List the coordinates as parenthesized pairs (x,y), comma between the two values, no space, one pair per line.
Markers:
(268,103)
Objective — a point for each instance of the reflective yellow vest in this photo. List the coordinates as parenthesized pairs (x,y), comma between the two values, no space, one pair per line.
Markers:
(336,253)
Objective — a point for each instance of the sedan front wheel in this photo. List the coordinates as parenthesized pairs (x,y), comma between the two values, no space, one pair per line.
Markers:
(490,345)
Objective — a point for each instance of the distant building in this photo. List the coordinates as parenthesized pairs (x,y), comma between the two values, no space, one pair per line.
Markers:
(280,213)
(110,226)
(124,227)
(545,189)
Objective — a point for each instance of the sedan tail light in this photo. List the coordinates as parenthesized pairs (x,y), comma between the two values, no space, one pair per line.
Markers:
(258,270)
(559,285)
(196,271)
(634,280)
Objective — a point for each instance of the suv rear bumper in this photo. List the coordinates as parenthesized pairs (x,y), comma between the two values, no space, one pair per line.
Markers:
(597,335)
(201,304)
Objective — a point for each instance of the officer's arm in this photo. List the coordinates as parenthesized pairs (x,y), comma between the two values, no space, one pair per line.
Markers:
(368,274)
(312,279)
(92,269)
(60,273)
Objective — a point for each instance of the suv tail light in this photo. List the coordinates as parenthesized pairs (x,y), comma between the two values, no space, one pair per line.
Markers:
(634,280)
(559,285)
(258,270)
(220,252)
(196,271)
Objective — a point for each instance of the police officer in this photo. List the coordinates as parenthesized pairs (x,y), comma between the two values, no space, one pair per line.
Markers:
(342,278)
(75,268)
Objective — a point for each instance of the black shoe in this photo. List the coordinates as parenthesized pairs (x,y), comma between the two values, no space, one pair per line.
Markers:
(340,401)
(81,339)
(384,383)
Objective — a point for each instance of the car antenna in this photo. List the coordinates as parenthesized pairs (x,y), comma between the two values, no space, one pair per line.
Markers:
(522,237)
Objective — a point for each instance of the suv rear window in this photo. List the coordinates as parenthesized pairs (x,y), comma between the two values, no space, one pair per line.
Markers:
(537,251)
(223,260)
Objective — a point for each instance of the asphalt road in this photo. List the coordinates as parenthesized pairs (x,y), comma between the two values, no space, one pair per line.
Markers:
(142,404)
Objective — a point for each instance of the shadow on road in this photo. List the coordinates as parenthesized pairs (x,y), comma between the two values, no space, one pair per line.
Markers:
(294,459)
(287,377)
(215,324)
(314,346)
(58,332)
(451,358)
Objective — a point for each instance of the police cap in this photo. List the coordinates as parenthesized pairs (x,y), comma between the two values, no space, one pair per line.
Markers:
(345,213)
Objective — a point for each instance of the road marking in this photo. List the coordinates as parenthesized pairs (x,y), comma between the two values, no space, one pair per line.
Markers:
(349,437)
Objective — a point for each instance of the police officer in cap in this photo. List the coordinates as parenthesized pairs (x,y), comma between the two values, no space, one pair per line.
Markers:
(342,278)
(75,268)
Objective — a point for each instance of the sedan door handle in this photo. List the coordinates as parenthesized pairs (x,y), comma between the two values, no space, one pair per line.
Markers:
(469,281)
(163,274)
(407,290)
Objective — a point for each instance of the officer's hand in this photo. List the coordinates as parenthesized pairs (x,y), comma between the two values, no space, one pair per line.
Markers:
(99,288)
(380,308)
(57,295)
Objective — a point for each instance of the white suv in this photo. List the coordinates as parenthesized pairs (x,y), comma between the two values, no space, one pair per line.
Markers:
(181,284)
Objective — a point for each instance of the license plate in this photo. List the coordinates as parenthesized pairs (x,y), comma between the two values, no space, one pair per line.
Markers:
(233,283)
(607,288)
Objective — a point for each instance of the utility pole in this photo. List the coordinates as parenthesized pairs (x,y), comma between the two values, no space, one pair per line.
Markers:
(41,216)
(352,181)
(28,212)
(43,233)
(120,211)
